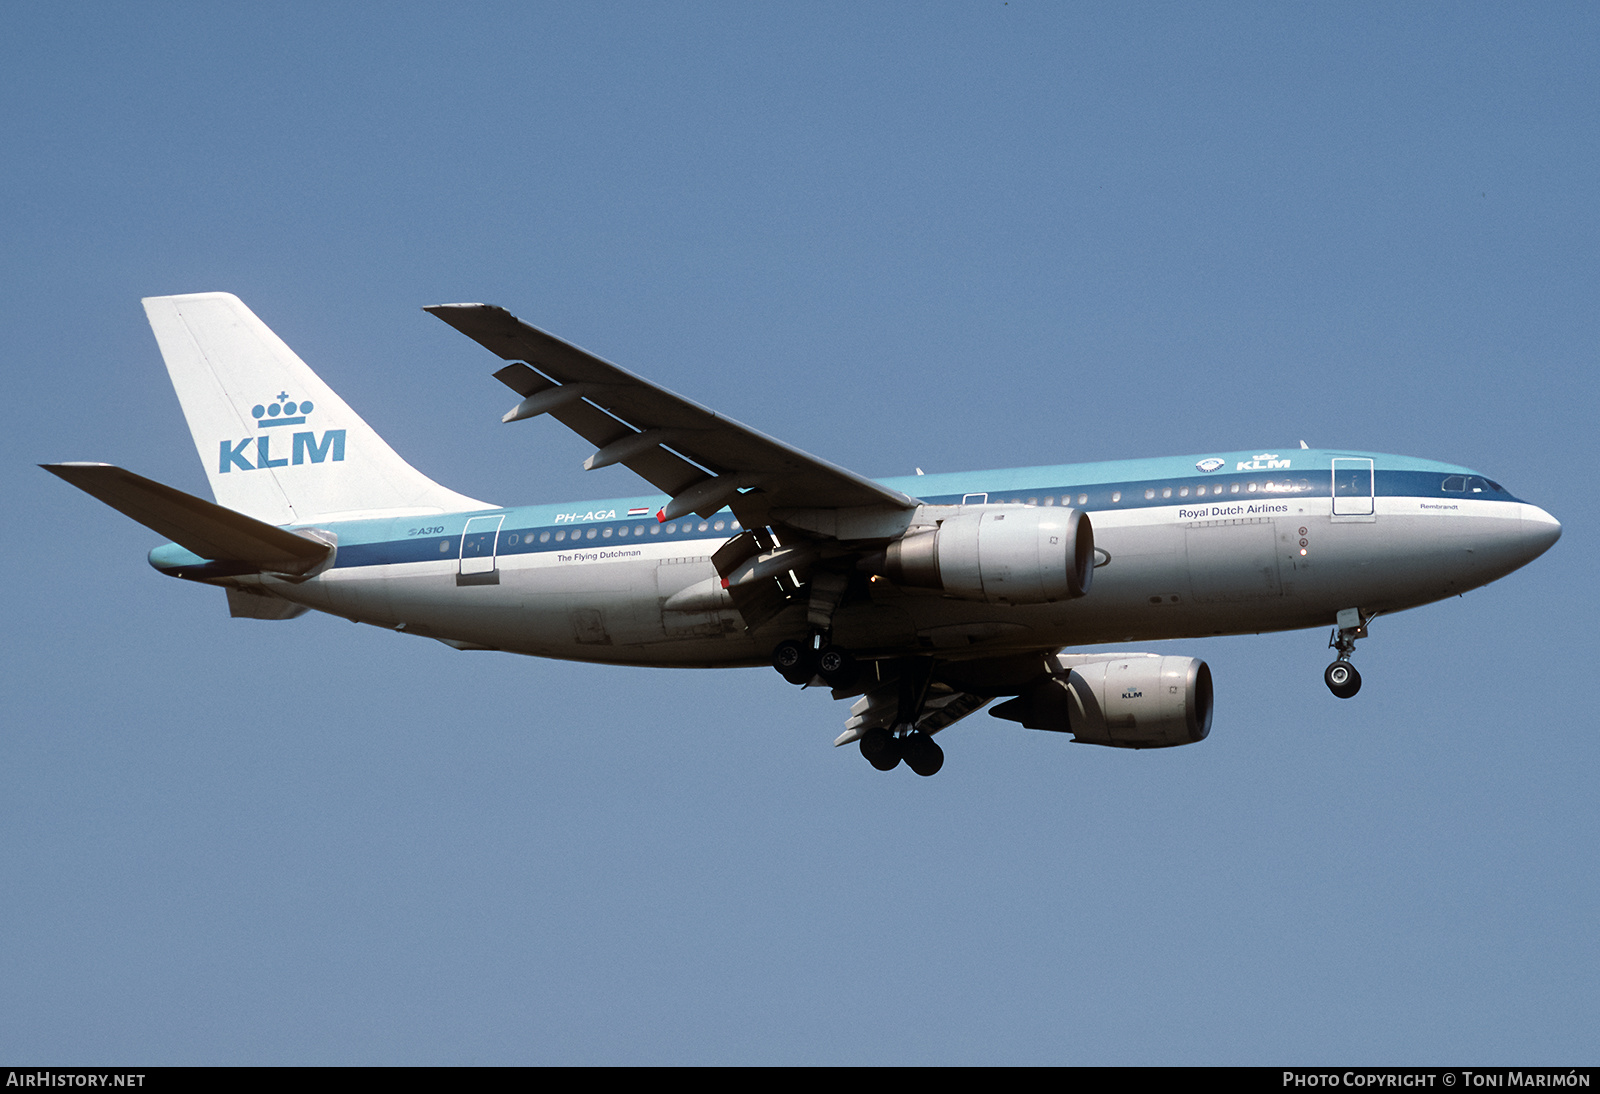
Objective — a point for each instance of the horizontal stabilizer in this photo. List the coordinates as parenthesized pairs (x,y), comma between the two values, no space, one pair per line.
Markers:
(209,530)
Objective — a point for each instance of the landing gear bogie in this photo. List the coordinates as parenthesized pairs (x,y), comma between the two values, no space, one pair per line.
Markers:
(881,748)
(884,751)
(795,661)
(923,754)
(837,667)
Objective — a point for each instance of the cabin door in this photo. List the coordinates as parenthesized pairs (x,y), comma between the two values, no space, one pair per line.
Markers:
(1353,493)
(478,544)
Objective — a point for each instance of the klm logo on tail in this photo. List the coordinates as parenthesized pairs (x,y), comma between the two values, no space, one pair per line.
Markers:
(236,455)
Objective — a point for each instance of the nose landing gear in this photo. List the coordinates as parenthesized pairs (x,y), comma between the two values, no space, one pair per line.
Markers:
(1341,676)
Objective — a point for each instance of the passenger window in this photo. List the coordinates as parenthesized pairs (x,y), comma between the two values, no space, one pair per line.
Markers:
(1183,492)
(1083,499)
(1234,489)
(1166,492)
(1116,496)
(1250,489)
(1148,494)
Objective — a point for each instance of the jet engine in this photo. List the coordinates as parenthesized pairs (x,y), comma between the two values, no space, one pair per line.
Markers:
(1125,700)
(999,555)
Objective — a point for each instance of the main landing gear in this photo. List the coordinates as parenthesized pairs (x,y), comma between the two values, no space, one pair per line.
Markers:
(1341,676)
(798,663)
(884,751)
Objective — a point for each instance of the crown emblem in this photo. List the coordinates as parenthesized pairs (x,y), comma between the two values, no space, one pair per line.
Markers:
(282,412)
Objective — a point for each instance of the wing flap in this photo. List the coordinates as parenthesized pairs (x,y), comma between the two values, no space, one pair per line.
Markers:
(942,708)
(665,470)
(205,528)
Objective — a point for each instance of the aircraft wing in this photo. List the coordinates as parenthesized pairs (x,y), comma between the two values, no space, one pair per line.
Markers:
(700,458)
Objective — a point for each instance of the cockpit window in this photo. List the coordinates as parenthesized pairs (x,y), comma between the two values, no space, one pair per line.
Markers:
(1471,484)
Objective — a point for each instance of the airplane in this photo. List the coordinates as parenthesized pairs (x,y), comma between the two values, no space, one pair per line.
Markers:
(922,599)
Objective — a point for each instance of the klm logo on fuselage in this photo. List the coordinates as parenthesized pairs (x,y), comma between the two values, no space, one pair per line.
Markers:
(304,446)
(1265,461)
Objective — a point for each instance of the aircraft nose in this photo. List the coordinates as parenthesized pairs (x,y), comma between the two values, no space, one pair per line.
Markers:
(1539,531)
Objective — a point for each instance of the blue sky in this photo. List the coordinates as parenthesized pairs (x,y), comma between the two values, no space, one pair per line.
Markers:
(946,236)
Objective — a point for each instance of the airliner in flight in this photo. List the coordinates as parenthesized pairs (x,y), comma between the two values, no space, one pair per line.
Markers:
(920,599)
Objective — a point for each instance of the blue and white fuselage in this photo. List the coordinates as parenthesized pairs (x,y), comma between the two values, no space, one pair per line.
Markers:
(1255,545)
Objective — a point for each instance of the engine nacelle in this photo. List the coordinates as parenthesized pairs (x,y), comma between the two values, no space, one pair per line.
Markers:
(1137,700)
(999,555)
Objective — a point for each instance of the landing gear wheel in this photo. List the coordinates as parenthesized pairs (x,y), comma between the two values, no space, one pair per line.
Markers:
(923,754)
(837,667)
(881,748)
(1342,679)
(794,661)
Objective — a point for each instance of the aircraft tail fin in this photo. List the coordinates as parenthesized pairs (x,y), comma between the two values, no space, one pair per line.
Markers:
(277,443)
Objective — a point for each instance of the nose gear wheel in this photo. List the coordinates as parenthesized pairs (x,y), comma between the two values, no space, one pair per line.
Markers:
(1342,679)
